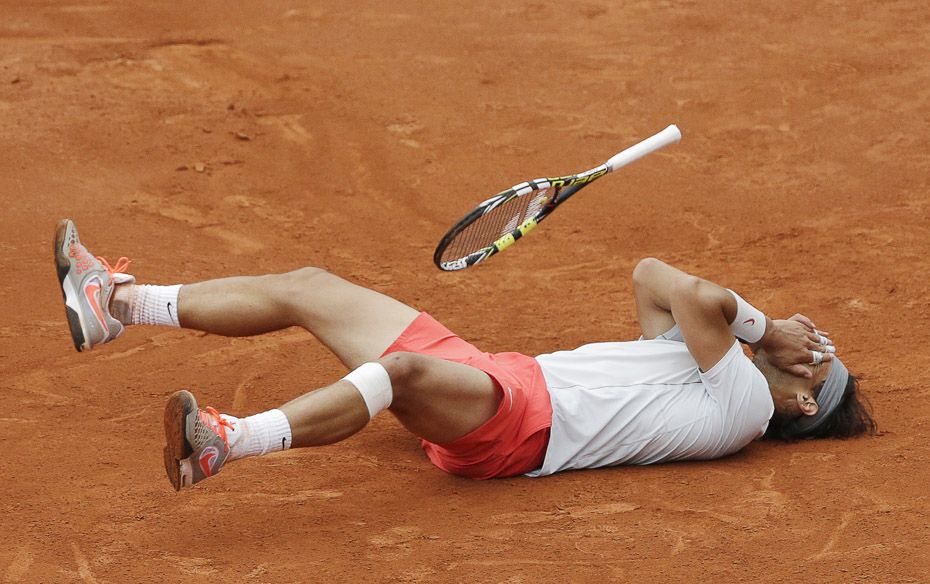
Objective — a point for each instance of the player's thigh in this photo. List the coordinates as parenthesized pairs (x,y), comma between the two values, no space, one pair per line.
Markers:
(356,323)
(440,400)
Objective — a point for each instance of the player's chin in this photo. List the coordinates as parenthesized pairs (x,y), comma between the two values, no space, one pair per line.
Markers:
(772,373)
(760,359)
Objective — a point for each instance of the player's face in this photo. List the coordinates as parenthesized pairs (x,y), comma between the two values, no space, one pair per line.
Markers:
(789,391)
(820,373)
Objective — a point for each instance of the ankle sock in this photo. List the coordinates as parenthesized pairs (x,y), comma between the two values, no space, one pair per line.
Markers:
(258,435)
(154,305)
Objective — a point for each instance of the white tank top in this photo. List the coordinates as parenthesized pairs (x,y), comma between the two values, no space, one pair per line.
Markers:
(646,401)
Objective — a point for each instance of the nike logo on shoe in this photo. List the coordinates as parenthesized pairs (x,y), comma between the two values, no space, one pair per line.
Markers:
(207,458)
(92,292)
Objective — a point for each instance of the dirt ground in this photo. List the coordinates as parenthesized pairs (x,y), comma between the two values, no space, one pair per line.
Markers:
(214,138)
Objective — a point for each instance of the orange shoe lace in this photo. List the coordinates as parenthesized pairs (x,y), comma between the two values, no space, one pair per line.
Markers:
(121,265)
(219,422)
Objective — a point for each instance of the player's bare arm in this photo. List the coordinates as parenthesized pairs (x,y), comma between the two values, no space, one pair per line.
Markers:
(652,279)
(789,343)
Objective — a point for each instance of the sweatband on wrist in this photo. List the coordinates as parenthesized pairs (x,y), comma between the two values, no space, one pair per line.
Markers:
(749,324)
(373,382)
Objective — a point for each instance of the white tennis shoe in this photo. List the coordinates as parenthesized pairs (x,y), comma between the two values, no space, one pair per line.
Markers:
(196,442)
(87,284)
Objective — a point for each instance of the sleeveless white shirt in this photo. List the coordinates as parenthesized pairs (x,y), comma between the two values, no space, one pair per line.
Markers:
(646,401)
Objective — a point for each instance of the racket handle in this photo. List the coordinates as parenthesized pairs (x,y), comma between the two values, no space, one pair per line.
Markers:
(669,135)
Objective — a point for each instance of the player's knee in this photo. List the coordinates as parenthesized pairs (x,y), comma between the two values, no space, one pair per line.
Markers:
(404,369)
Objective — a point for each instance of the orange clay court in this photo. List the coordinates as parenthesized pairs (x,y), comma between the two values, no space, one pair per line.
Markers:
(209,139)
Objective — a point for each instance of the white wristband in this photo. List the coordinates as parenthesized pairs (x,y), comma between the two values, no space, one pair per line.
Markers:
(749,324)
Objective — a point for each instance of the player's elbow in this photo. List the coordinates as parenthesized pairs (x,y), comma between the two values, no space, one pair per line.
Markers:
(644,269)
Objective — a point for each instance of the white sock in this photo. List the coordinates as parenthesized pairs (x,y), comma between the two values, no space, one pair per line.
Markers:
(154,305)
(257,435)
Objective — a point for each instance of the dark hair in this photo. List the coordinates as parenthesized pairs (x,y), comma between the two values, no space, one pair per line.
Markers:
(852,417)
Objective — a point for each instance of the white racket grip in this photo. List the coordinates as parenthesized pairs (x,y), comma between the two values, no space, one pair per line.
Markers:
(669,135)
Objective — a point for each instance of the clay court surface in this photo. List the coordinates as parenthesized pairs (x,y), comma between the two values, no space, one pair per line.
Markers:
(214,138)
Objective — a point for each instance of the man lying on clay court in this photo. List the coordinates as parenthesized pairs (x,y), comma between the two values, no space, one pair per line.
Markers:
(684,391)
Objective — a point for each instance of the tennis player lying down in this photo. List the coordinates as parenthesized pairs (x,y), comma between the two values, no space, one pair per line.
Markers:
(684,391)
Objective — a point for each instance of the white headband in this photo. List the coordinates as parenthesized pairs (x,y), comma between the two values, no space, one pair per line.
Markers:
(834,386)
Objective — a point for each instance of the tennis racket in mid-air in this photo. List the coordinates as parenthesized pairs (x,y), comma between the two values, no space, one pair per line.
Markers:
(497,223)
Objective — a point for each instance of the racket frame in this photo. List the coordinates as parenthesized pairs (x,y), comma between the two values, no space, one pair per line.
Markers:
(565,187)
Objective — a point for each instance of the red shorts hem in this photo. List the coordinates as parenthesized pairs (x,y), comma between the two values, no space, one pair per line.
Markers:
(515,439)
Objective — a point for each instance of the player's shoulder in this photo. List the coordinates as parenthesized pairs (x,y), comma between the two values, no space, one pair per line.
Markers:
(734,361)
(735,373)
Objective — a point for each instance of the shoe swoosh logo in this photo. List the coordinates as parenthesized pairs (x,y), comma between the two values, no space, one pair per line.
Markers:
(207,458)
(92,292)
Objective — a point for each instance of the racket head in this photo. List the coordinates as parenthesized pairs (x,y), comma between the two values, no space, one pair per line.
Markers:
(498,222)
(472,239)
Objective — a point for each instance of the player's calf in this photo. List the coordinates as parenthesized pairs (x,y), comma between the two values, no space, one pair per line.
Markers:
(435,399)
(200,442)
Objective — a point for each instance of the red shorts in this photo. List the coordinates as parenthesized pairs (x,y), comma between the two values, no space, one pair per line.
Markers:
(514,440)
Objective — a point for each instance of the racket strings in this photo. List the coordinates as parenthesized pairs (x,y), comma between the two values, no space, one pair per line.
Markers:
(491,226)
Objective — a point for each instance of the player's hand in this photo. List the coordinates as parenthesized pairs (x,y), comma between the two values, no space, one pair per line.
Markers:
(791,344)
(809,324)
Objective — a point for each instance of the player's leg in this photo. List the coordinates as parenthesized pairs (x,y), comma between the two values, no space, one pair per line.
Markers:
(435,399)
(356,323)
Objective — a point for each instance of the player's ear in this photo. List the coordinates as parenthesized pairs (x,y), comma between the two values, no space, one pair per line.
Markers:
(807,404)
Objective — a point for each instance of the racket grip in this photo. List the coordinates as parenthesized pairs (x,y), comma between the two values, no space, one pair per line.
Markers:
(669,135)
